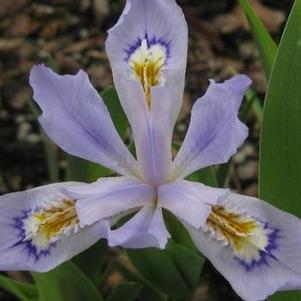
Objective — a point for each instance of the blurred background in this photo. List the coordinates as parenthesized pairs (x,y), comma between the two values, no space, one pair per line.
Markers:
(71,35)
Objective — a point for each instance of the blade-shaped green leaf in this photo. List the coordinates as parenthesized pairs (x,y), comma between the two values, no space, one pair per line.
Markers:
(65,283)
(125,292)
(21,290)
(266,46)
(92,260)
(206,176)
(177,231)
(252,105)
(112,102)
(188,262)
(280,154)
(175,270)
(148,291)
(83,170)
(157,266)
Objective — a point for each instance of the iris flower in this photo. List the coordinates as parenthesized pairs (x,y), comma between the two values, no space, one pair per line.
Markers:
(254,245)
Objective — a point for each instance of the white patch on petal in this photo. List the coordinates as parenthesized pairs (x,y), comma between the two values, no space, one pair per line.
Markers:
(42,227)
(248,237)
(146,65)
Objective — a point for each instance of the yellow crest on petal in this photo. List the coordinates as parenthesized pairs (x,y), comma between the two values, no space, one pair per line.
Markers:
(146,64)
(246,235)
(46,225)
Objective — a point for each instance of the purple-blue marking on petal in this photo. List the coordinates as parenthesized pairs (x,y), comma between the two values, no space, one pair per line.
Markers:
(29,245)
(150,42)
(264,255)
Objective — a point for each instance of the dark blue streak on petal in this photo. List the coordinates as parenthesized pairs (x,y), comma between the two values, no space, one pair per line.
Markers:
(28,243)
(264,255)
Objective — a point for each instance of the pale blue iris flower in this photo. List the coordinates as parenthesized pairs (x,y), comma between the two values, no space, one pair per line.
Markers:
(254,245)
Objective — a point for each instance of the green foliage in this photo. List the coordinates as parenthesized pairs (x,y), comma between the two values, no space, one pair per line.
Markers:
(93,259)
(83,170)
(252,105)
(125,292)
(206,176)
(280,155)
(66,282)
(23,291)
(148,291)
(280,168)
(175,270)
(119,118)
(265,44)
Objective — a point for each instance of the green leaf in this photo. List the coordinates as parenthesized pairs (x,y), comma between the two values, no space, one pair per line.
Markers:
(65,283)
(252,105)
(177,231)
(92,260)
(148,291)
(175,270)
(286,296)
(266,46)
(206,176)
(125,292)
(83,170)
(21,290)
(119,118)
(188,262)
(157,266)
(280,151)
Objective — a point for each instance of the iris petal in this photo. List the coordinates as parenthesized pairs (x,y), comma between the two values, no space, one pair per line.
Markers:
(260,253)
(108,197)
(147,49)
(215,131)
(145,229)
(75,117)
(190,201)
(160,25)
(40,230)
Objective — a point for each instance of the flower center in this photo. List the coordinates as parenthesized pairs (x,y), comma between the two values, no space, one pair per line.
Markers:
(44,227)
(146,64)
(249,238)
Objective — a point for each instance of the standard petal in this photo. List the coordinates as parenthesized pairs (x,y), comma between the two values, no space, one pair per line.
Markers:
(215,132)
(152,132)
(145,229)
(147,49)
(190,201)
(76,118)
(266,261)
(40,229)
(108,197)
(149,43)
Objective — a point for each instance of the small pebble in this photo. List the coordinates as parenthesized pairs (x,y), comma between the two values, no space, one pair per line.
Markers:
(251,190)
(24,130)
(248,170)
(181,127)
(33,138)
(20,119)
(4,115)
